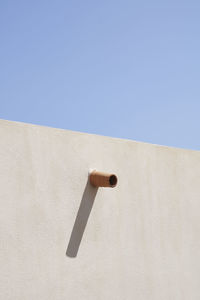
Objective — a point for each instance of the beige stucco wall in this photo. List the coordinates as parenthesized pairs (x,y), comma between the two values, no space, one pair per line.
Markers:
(62,239)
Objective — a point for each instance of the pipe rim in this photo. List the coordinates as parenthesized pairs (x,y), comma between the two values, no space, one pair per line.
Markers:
(113,180)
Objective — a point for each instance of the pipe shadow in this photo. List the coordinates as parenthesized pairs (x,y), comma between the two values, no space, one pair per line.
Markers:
(83,214)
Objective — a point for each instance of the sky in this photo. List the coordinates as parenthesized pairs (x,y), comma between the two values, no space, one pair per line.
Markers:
(127,69)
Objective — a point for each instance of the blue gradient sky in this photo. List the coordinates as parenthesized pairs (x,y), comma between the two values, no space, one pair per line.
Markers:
(128,69)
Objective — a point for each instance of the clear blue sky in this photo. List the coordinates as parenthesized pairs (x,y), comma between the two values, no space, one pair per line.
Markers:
(128,69)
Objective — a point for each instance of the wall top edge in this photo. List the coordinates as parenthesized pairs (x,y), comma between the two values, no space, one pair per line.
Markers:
(122,140)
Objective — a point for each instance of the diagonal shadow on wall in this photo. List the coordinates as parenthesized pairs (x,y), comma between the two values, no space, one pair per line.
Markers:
(83,214)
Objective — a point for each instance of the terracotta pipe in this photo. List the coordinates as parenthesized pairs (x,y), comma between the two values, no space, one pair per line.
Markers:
(100,179)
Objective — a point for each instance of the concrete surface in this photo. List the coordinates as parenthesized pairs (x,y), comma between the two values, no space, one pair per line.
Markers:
(62,239)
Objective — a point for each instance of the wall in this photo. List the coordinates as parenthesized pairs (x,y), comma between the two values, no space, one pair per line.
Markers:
(60,238)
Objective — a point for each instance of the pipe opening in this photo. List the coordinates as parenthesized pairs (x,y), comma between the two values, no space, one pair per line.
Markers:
(113,180)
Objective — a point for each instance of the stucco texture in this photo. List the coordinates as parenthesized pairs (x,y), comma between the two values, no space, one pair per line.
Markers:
(61,238)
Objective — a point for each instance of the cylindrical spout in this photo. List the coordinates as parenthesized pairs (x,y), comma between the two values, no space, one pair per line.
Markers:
(100,179)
